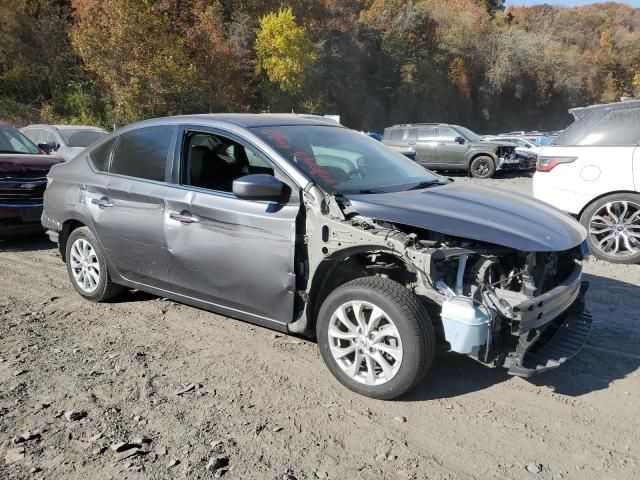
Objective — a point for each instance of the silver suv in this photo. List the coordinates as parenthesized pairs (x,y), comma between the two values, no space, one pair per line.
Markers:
(314,229)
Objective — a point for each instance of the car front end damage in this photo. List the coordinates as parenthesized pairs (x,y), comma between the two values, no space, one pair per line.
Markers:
(507,158)
(521,310)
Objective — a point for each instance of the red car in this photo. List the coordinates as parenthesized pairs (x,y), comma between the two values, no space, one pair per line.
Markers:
(23,178)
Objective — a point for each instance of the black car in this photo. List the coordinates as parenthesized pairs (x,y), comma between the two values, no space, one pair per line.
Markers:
(452,147)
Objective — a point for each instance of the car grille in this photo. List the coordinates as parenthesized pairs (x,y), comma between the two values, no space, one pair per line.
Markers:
(22,189)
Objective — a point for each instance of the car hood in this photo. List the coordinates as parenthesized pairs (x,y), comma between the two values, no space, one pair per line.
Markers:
(492,144)
(21,164)
(470,211)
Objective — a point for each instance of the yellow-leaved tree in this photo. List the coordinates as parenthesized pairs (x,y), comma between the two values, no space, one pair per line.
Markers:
(283,50)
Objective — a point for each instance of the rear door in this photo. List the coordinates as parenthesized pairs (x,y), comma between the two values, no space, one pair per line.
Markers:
(232,253)
(427,146)
(126,205)
(451,153)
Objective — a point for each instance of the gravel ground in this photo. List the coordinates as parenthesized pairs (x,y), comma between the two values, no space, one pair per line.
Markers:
(199,395)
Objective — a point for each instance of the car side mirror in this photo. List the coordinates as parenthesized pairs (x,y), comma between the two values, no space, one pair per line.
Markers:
(460,140)
(259,186)
(48,147)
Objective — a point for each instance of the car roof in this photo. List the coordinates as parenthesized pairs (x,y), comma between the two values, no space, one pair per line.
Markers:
(580,112)
(245,120)
(404,125)
(64,127)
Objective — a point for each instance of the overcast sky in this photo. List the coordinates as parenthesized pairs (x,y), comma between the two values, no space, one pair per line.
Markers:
(566,3)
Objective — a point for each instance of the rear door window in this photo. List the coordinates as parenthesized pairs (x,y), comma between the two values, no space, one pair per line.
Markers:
(410,134)
(143,153)
(395,134)
(427,134)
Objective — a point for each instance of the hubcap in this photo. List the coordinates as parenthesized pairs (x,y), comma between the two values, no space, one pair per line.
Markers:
(482,167)
(365,343)
(615,228)
(84,265)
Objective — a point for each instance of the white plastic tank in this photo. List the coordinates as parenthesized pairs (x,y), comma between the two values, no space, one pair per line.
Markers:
(465,325)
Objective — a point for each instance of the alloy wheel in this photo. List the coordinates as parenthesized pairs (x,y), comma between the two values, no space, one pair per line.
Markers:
(481,167)
(85,266)
(365,343)
(615,228)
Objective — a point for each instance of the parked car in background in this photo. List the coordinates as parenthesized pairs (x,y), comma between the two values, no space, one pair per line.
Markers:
(23,171)
(592,171)
(407,152)
(311,228)
(523,144)
(525,147)
(66,140)
(452,147)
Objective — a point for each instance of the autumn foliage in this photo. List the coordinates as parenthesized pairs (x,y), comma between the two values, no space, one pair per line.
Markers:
(374,62)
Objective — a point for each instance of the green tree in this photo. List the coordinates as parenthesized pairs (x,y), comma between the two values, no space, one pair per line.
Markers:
(284,51)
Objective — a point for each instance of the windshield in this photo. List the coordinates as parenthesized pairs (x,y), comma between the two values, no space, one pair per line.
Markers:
(344,161)
(468,134)
(81,137)
(13,141)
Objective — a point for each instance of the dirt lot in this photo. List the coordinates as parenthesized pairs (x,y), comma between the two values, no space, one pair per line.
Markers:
(264,402)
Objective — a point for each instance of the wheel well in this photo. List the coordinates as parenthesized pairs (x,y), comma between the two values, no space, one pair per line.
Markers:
(67,227)
(334,272)
(608,194)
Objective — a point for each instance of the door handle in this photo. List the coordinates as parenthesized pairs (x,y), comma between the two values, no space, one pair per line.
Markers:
(411,143)
(102,202)
(183,217)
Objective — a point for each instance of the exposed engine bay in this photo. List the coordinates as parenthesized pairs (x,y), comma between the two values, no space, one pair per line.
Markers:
(495,304)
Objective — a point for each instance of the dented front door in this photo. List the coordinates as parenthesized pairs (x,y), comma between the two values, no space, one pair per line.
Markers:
(234,253)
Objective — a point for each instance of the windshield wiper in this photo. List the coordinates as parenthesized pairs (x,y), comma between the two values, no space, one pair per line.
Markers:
(10,151)
(365,191)
(427,184)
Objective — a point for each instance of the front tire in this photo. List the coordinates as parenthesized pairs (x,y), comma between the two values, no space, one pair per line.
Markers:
(87,267)
(613,226)
(375,337)
(482,167)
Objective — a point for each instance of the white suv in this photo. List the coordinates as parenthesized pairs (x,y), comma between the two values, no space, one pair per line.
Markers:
(592,171)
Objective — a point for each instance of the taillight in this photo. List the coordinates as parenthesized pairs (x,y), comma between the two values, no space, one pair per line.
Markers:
(546,164)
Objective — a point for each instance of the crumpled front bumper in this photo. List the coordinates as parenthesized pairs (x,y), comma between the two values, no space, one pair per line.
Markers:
(552,328)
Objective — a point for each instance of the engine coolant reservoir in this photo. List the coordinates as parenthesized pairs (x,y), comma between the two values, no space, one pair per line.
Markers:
(465,325)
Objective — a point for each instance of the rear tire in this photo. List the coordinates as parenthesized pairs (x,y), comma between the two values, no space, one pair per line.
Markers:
(394,342)
(87,267)
(613,226)
(482,167)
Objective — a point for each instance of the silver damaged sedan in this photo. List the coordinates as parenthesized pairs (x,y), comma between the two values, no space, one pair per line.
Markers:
(306,227)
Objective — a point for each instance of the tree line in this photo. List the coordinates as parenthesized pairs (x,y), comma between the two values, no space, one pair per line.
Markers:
(373,62)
